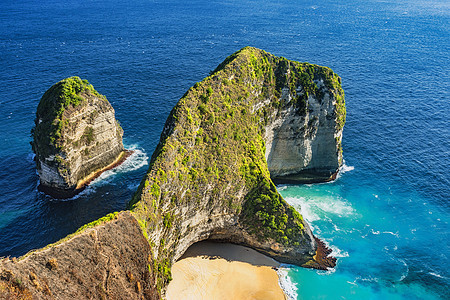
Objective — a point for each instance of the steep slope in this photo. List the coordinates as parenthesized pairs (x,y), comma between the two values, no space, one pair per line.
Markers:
(76,135)
(107,259)
(209,177)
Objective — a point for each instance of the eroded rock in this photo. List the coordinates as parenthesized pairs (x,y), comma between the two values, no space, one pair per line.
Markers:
(255,117)
(209,178)
(76,135)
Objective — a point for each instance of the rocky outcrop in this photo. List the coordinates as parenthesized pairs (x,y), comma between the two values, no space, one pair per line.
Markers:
(209,178)
(303,136)
(107,259)
(75,136)
(255,117)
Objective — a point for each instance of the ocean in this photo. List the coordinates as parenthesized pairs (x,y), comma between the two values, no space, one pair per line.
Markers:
(385,217)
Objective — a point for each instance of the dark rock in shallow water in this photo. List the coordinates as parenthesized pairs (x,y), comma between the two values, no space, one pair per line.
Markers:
(75,136)
(210,178)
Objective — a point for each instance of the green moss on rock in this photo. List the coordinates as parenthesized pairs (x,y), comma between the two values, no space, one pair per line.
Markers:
(212,152)
(50,112)
(75,136)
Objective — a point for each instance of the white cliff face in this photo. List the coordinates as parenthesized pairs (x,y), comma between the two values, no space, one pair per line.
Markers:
(308,143)
(90,139)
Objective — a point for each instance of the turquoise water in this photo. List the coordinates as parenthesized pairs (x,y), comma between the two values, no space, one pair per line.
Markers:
(380,231)
(386,217)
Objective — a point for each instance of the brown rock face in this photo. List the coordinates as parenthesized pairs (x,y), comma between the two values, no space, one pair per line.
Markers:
(108,261)
(75,136)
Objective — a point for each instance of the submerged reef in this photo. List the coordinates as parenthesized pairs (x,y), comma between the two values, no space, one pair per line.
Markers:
(75,136)
(257,118)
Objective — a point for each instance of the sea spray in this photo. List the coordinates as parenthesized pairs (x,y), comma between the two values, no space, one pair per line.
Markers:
(317,208)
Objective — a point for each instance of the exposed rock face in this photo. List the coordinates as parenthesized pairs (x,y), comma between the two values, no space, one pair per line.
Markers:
(108,261)
(303,137)
(76,135)
(256,116)
(209,178)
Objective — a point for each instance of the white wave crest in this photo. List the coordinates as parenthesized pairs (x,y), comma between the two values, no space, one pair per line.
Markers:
(305,209)
(404,274)
(327,272)
(344,168)
(437,275)
(289,288)
(136,161)
(314,209)
(367,279)
(336,252)
(282,187)
(392,233)
(87,191)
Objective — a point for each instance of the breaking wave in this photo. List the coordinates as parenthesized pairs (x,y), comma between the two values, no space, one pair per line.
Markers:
(314,209)
(136,161)
(289,288)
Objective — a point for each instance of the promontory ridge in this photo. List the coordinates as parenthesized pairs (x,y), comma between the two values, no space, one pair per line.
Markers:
(256,118)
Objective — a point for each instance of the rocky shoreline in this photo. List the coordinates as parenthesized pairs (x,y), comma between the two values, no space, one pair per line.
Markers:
(255,116)
(83,183)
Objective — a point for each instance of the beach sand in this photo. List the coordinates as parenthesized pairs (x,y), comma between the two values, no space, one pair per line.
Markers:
(224,271)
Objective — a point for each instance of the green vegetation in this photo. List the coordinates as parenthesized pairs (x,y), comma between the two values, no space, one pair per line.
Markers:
(50,119)
(88,135)
(216,115)
(269,216)
(163,273)
(212,152)
(102,220)
(168,219)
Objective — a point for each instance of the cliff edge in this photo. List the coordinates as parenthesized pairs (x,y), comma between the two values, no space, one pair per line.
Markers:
(75,136)
(257,117)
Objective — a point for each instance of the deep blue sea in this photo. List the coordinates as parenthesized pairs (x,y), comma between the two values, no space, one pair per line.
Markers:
(386,217)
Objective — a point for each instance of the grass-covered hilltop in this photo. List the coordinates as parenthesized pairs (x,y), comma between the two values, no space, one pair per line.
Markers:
(75,136)
(255,119)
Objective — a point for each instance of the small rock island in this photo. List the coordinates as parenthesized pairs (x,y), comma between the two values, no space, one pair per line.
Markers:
(257,118)
(76,136)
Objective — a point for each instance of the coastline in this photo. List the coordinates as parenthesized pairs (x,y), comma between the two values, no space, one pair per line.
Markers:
(210,270)
(83,183)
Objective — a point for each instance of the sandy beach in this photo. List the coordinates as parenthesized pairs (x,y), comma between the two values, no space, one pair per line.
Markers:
(224,271)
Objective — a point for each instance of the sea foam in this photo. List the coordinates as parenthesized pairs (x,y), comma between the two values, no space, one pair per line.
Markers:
(289,288)
(344,168)
(136,161)
(314,209)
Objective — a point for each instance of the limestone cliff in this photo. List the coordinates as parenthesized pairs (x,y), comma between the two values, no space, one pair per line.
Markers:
(209,178)
(75,135)
(254,117)
(303,134)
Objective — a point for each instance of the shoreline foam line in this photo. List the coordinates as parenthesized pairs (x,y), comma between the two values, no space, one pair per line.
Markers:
(83,183)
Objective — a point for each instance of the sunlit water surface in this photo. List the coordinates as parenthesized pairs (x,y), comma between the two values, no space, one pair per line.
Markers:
(386,217)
